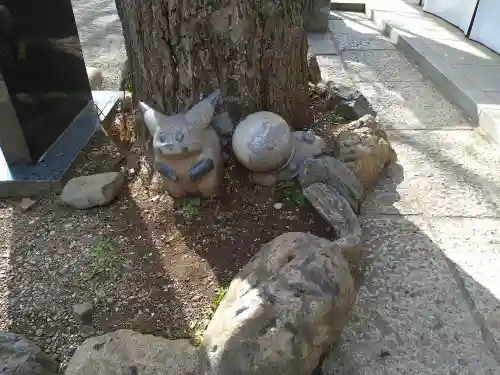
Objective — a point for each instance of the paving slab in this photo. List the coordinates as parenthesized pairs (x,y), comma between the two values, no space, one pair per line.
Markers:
(451,173)
(413,105)
(342,15)
(410,317)
(332,70)
(472,246)
(321,44)
(464,70)
(391,196)
(391,6)
(485,77)
(352,35)
(489,121)
(379,66)
(461,52)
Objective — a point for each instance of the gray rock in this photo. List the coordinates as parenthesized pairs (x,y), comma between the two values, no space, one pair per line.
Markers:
(346,102)
(95,190)
(364,147)
(282,310)
(19,356)
(307,145)
(334,173)
(338,213)
(26,203)
(314,73)
(96,78)
(84,310)
(130,353)
(265,179)
(222,124)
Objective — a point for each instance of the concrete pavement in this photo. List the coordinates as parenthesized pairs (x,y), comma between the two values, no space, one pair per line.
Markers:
(430,300)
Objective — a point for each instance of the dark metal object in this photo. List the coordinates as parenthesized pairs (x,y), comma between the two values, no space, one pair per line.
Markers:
(201,169)
(167,172)
(469,30)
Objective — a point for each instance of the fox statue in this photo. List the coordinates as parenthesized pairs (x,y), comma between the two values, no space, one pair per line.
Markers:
(187,150)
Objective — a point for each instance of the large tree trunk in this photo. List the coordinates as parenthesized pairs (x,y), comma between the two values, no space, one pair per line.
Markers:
(255,51)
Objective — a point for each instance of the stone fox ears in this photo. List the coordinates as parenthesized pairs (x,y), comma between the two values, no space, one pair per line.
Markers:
(197,117)
(200,115)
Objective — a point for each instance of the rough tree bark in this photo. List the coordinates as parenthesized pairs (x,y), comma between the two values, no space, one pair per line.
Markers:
(254,50)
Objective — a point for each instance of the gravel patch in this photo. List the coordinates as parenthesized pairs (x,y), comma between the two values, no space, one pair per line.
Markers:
(101,38)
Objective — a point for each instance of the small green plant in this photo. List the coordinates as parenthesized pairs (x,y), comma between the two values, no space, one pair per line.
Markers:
(104,257)
(197,338)
(190,207)
(218,297)
(129,87)
(292,191)
(335,117)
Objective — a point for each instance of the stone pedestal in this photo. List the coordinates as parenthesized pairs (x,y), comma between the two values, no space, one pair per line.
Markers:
(316,16)
(46,109)
(12,141)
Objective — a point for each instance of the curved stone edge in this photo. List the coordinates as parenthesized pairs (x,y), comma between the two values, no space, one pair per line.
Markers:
(337,212)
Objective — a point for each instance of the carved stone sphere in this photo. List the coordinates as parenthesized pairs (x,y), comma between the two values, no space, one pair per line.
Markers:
(263,142)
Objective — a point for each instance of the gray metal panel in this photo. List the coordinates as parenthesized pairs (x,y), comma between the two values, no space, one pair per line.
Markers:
(486,27)
(456,12)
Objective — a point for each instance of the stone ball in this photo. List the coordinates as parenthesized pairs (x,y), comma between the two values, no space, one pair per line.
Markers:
(263,142)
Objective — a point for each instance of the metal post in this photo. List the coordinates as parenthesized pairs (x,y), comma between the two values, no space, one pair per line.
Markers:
(472,20)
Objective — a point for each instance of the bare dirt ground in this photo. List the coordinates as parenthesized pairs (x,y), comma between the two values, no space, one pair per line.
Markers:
(146,262)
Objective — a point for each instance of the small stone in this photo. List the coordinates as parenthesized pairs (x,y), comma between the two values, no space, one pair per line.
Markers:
(265,179)
(222,124)
(346,102)
(278,206)
(39,332)
(94,190)
(109,300)
(95,78)
(84,310)
(63,270)
(26,203)
(127,102)
(314,73)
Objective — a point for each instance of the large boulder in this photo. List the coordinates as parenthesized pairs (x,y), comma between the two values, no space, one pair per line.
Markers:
(334,173)
(338,213)
(282,311)
(126,352)
(19,356)
(364,147)
(95,190)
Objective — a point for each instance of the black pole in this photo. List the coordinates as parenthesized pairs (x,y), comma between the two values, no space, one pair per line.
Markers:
(472,20)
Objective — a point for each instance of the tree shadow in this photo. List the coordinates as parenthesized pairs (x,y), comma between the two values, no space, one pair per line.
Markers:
(415,299)
(226,232)
(55,257)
